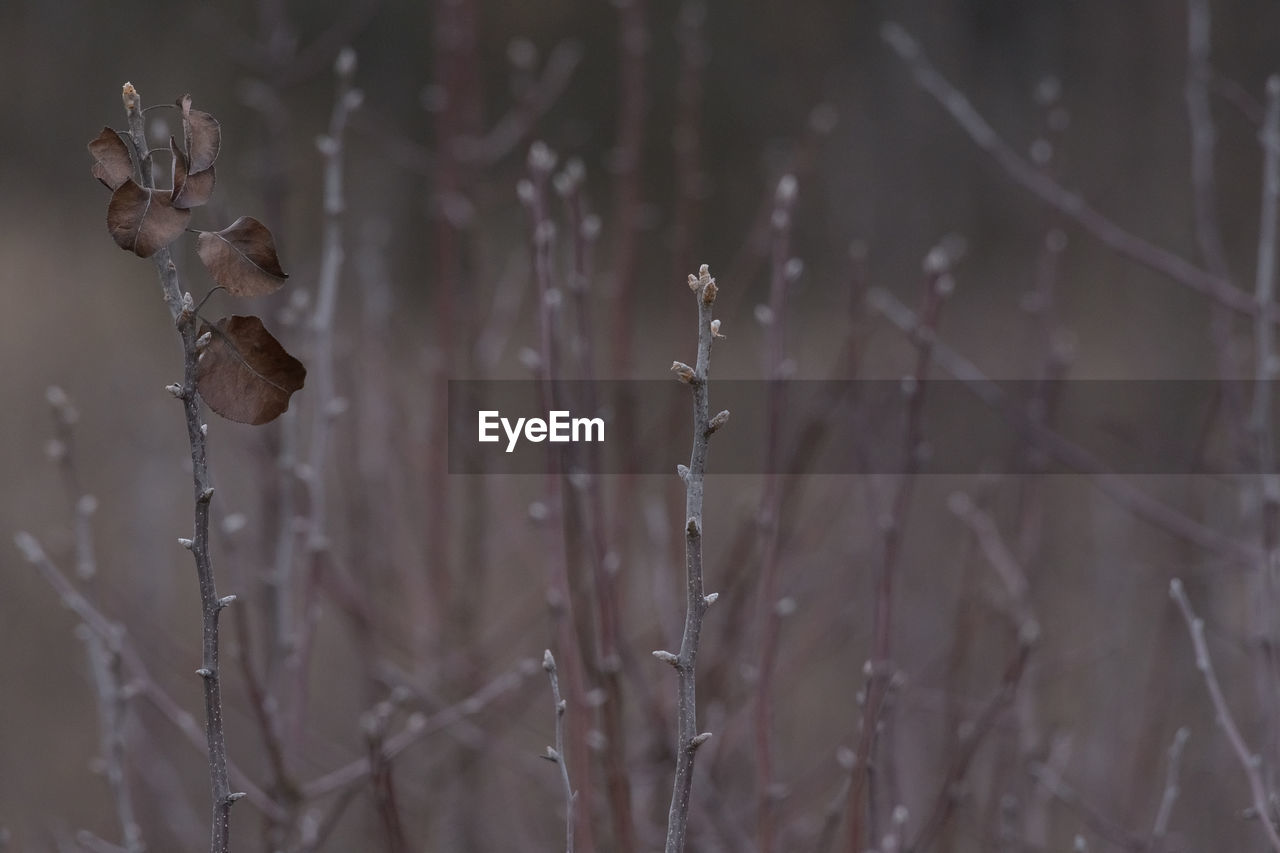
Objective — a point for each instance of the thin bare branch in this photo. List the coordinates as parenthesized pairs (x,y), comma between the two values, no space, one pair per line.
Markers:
(1250,762)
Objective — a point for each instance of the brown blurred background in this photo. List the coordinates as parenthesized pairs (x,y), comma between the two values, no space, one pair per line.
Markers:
(451,575)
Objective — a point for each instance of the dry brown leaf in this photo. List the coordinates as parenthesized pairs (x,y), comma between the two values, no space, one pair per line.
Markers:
(112,164)
(190,189)
(144,221)
(203,136)
(244,374)
(242,258)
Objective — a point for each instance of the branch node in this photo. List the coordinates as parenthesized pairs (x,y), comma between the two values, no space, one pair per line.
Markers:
(693,527)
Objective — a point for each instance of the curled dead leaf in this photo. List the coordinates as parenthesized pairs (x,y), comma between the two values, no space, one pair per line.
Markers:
(203,136)
(190,189)
(242,258)
(144,221)
(244,374)
(112,164)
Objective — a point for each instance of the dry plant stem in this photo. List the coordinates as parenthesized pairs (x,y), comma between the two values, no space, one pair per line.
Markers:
(324,409)
(1115,486)
(879,666)
(1068,203)
(556,754)
(381,778)
(687,737)
(1017,609)
(1250,762)
(1171,789)
(1267,486)
(104,658)
(210,604)
(1203,139)
(139,675)
(1098,823)
(417,728)
(584,230)
(568,578)
(768,616)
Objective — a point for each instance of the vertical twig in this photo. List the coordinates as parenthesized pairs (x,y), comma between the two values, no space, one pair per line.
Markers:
(1250,762)
(326,406)
(879,669)
(696,603)
(1261,425)
(568,578)
(181,309)
(556,753)
(1203,140)
(1171,789)
(584,230)
(769,617)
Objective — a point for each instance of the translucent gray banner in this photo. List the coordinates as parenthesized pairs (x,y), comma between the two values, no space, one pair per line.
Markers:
(853,427)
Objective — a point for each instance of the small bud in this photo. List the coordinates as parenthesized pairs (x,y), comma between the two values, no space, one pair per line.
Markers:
(682,371)
(683,471)
(715,329)
(541,158)
(29,546)
(693,282)
(718,421)
(698,740)
(206,495)
(235,796)
(204,672)
(204,429)
(175,389)
(709,292)
(227,601)
(551,755)
(203,340)
(525,191)
(548,661)
(186,543)
(345,64)
(711,598)
(692,527)
(786,194)
(188,303)
(666,657)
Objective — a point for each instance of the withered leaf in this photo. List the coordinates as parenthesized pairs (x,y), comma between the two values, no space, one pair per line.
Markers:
(242,258)
(203,136)
(144,221)
(243,372)
(190,189)
(111,164)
